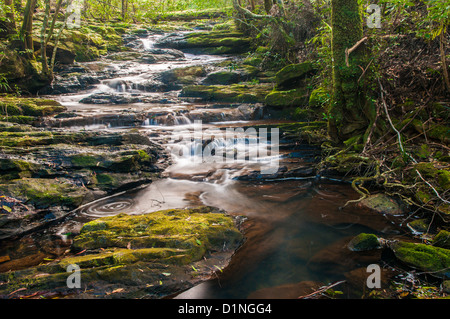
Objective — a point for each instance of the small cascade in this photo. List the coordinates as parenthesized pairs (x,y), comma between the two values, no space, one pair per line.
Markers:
(122,87)
(150,122)
(181,119)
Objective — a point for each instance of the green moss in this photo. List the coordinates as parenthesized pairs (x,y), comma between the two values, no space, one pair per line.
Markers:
(29,107)
(444,179)
(253,61)
(45,192)
(194,230)
(442,239)
(428,170)
(16,169)
(291,98)
(424,257)
(288,76)
(19,119)
(81,160)
(185,75)
(235,93)
(319,98)
(218,42)
(424,151)
(222,78)
(364,242)
(432,130)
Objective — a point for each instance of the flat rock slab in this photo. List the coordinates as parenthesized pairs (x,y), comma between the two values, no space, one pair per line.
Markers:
(147,256)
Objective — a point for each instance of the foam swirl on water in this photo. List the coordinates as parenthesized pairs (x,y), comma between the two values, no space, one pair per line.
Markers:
(111,206)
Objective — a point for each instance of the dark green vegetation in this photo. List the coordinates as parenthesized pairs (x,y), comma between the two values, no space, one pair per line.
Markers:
(376,101)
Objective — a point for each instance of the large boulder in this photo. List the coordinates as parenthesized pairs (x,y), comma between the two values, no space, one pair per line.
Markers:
(151,255)
(426,258)
(292,75)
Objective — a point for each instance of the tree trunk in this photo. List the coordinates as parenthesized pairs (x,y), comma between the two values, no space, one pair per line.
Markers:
(350,114)
(443,58)
(268,5)
(26,32)
(45,69)
(124,9)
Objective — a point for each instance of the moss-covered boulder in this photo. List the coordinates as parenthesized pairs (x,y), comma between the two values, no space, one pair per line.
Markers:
(223,78)
(382,204)
(427,258)
(175,78)
(364,242)
(291,75)
(235,93)
(15,109)
(44,192)
(211,42)
(194,230)
(21,73)
(152,255)
(291,98)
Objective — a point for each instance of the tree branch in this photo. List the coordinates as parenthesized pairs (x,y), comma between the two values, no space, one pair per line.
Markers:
(353,48)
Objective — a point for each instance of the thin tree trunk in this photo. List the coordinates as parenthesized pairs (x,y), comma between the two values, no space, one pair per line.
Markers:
(45,70)
(55,17)
(26,32)
(58,36)
(443,58)
(124,9)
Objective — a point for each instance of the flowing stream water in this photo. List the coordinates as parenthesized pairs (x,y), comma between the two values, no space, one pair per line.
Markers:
(288,220)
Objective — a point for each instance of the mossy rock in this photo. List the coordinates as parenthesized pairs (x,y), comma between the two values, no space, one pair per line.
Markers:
(223,77)
(364,242)
(186,75)
(33,107)
(194,230)
(442,239)
(427,258)
(253,61)
(234,93)
(16,169)
(382,204)
(290,75)
(211,42)
(121,161)
(291,98)
(44,193)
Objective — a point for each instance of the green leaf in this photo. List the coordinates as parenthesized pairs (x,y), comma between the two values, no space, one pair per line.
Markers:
(198,242)
(167,274)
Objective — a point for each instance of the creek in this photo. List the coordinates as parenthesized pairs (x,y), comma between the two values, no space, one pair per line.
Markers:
(295,227)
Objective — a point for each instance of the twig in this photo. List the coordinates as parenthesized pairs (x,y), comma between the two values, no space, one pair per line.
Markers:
(353,48)
(322,289)
(399,137)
